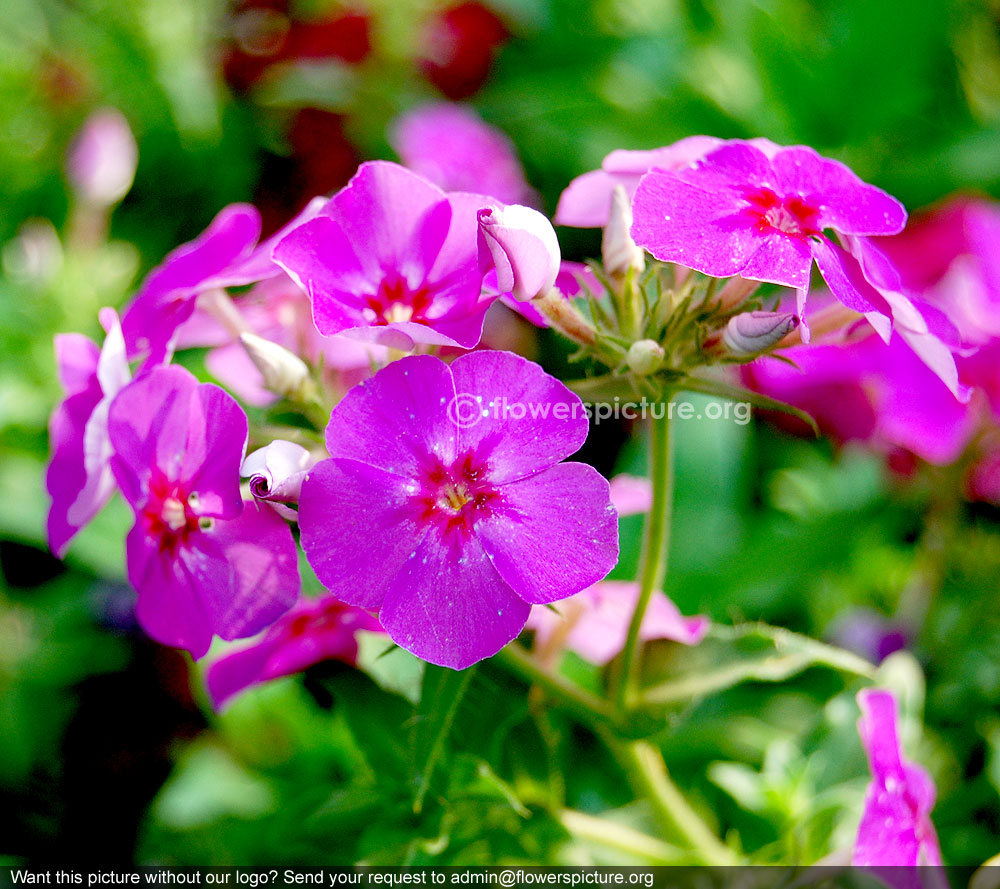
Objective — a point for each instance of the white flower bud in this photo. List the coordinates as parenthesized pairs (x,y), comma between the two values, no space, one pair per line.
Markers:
(284,373)
(619,252)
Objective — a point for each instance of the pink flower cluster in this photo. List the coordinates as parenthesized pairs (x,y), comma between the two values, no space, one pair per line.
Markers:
(885,396)
(423,515)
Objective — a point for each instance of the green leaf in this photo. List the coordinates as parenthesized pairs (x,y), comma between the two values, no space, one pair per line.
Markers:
(738,393)
(441,693)
(774,655)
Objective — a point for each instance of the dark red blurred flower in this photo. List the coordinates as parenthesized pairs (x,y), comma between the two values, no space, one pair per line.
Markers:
(459,45)
(263,33)
(322,160)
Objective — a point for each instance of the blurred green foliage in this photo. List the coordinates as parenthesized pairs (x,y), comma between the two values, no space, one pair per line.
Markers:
(327,767)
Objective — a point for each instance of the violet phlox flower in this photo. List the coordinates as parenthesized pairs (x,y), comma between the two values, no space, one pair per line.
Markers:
(896,830)
(448,517)
(762,215)
(79,478)
(451,146)
(203,562)
(313,630)
(594,623)
(392,259)
(226,254)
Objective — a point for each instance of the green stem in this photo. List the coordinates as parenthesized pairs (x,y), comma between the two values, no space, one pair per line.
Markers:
(620,838)
(649,776)
(656,547)
(591,710)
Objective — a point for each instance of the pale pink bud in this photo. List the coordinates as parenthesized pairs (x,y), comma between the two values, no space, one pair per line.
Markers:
(102,159)
(276,471)
(522,245)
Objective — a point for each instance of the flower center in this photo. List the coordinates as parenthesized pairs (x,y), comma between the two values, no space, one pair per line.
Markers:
(792,214)
(455,497)
(173,514)
(396,302)
(170,514)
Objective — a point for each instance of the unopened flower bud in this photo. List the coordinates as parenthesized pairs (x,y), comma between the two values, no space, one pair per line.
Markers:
(753,332)
(618,250)
(522,245)
(276,471)
(102,159)
(284,373)
(644,357)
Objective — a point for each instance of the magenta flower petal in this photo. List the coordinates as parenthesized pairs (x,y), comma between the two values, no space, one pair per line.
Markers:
(452,147)
(554,533)
(509,411)
(259,265)
(238,670)
(66,474)
(313,630)
(76,361)
(586,202)
(236,578)
(167,296)
(245,570)
(168,422)
(849,205)
(847,281)
(896,830)
(168,607)
(679,221)
(448,604)
(394,424)
(407,228)
(357,529)
(388,261)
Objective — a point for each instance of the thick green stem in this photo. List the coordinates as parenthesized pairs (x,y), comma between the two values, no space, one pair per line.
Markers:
(656,547)
(620,838)
(648,774)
